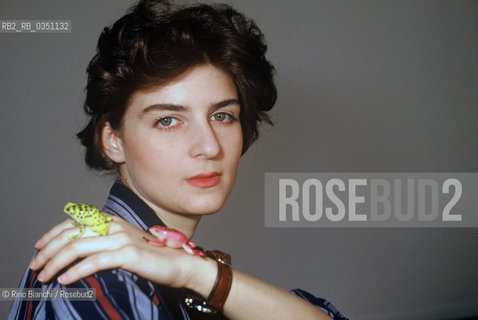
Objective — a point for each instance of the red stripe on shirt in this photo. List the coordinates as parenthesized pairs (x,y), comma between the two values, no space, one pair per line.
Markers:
(156,300)
(102,299)
(30,303)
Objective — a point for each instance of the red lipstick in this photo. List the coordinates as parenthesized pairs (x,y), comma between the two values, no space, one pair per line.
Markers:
(205,180)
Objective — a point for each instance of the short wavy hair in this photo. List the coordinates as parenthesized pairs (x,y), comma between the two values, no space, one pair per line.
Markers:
(154,43)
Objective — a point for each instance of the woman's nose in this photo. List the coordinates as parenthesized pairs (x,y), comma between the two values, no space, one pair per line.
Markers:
(204,142)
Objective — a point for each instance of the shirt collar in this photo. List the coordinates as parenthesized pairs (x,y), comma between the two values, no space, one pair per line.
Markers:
(123,202)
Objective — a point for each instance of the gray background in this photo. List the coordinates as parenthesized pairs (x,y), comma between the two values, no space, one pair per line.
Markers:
(384,86)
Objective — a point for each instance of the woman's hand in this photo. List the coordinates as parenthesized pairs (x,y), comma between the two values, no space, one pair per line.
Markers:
(124,247)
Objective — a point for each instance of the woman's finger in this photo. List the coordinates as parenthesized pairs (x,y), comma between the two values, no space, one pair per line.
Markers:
(50,248)
(58,255)
(53,232)
(161,265)
(97,262)
(60,239)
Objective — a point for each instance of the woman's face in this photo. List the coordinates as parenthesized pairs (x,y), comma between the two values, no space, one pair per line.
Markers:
(180,143)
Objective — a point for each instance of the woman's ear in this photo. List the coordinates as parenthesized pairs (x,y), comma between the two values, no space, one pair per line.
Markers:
(112,143)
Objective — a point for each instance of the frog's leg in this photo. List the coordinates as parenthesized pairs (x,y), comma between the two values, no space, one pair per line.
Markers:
(76,236)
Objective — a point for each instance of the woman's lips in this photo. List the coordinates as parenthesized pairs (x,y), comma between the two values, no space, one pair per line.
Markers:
(207,180)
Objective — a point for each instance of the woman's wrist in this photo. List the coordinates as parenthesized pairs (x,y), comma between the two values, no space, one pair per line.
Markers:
(203,273)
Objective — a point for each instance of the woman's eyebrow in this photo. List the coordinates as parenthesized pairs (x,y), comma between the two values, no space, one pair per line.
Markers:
(225,103)
(162,107)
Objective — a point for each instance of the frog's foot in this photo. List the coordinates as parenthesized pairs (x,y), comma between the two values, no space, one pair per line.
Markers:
(160,243)
(76,236)
(189,248)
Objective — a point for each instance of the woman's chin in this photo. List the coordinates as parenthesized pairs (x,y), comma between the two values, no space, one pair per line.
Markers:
(205,206)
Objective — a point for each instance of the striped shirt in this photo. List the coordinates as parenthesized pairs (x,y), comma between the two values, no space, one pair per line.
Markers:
(121,294)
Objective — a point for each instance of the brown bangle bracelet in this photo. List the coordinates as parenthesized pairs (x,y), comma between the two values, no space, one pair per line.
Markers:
(222,285)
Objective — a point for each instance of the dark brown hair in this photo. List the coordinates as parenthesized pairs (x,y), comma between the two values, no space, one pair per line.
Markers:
(153,43)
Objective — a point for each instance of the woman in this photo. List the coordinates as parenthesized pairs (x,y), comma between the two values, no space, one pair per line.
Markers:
(174,99)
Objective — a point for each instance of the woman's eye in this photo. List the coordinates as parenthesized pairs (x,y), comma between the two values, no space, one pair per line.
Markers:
(222,117)
(167,122)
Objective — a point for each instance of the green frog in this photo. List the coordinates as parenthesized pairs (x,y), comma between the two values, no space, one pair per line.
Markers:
(87,215)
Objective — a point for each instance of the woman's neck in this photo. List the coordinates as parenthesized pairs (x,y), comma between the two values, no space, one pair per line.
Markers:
(185,224)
